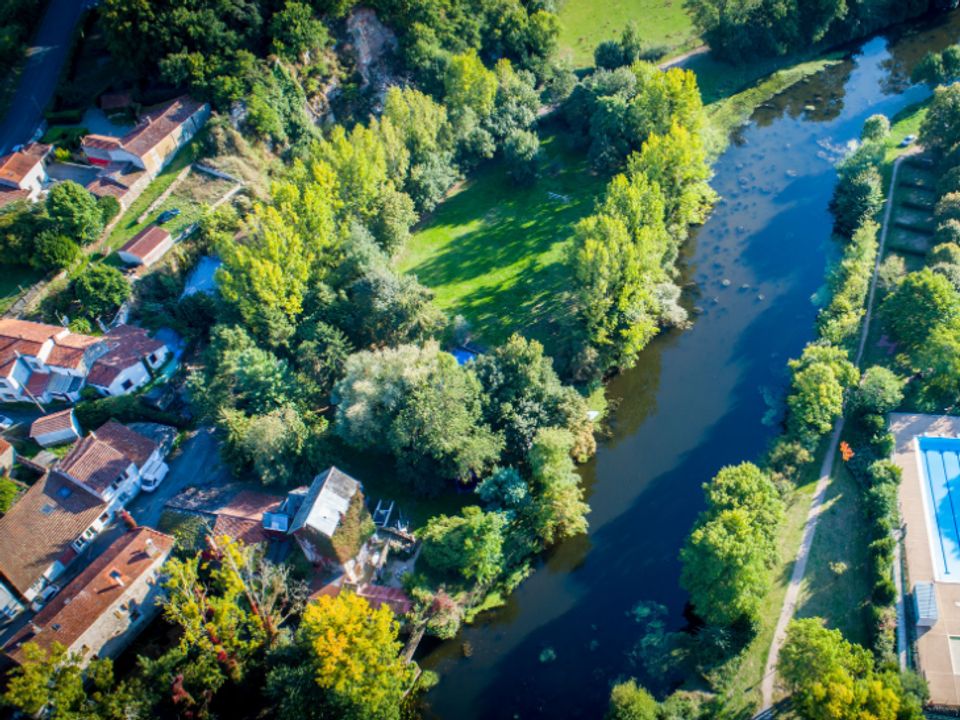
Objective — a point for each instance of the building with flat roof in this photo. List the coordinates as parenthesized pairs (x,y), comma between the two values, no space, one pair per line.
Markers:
(927,450)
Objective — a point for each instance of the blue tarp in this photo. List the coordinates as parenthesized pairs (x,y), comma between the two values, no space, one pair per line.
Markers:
(463,355)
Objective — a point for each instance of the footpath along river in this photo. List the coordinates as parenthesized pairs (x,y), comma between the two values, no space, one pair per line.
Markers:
(696,401)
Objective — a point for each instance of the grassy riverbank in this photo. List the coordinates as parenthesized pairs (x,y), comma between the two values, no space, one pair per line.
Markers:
(586,23)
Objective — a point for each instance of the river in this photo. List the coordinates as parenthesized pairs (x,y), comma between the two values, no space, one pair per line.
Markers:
(695,402)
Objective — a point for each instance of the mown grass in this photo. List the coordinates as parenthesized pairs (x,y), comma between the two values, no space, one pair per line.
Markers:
(839,594)
(584,24)
(493,251)
(128,226)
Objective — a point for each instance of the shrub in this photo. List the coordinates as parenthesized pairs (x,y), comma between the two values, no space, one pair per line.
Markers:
(875,128)
(880,391)
(947,232)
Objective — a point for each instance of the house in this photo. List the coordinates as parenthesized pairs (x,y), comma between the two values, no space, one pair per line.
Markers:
(332,496)
(44,362)
(7,457)
(107,605)
(131,354)
(58,517)
(146,247)
(154,141)
(123,181)
(242,518)
(23,173)
(55,429)
(376,595)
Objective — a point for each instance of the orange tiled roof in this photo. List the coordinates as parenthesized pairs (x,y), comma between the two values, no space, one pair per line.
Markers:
(128,345)
(103,455)
(146,241)
(15,166)
(101,142)
(54,422)
(39,528)
(83,602)
(158,124)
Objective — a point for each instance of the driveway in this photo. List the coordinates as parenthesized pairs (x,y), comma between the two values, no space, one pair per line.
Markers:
(45,58)
(196,463)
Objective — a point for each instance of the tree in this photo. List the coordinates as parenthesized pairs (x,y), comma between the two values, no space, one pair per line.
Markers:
(858,196)
(880,391)
(724,569)
(747,486)
(521,151)
(558,508)
(100,289)
(920,303)
(469,85)
(629,701)
(9,490)
(355,656)
(73,212)
(55,251)
(830,678)
(296,31)
(419,404)
(468,546)
(940,129)
(523,394)
(875,128)
(820,378)
(49,683)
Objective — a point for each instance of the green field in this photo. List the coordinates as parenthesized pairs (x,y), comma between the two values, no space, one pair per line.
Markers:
(493,251)
(584,24)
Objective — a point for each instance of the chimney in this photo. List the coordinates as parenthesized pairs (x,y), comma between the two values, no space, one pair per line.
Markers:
(117,577)
(150,548)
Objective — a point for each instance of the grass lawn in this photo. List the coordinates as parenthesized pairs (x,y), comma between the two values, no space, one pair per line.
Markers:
(127,227)
(584,24)
(840,598)
(13,282)
(493,251)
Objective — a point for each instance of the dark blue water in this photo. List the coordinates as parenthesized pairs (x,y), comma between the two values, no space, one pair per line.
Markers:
(695,402)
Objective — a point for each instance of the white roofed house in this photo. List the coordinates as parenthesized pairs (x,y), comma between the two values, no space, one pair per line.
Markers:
(332,522)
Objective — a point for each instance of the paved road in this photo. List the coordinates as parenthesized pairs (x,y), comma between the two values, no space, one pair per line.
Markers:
(197,462)
(789,606)
(38,81)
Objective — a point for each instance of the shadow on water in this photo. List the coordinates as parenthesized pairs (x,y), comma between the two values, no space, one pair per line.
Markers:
(694,403)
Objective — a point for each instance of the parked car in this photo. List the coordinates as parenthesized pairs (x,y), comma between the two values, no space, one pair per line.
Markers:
(908,140)
(48,592)
(5,422)
(167,215)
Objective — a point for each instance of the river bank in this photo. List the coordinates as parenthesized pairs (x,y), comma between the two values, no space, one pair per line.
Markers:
(696,401)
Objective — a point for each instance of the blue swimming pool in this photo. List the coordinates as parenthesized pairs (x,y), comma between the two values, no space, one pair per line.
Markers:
(940,460)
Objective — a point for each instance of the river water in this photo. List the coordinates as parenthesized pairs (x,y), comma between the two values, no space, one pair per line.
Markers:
(696,401)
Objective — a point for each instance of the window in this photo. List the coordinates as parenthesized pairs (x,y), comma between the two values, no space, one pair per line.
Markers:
(152,357)
(64,492)
(126,384)
(103,518)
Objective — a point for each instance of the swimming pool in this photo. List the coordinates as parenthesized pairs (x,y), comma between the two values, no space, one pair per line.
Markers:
(940,464)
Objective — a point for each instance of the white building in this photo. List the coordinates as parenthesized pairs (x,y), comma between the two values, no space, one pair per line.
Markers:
(23,173)
(146,247)
(55,429)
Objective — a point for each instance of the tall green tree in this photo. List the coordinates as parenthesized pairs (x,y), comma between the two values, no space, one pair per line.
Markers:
(73,212)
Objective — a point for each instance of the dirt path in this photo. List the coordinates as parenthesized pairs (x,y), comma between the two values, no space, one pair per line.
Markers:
(789,606)
(680,59)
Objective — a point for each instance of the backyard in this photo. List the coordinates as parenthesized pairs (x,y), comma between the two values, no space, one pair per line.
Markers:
(586,23)
(493,251)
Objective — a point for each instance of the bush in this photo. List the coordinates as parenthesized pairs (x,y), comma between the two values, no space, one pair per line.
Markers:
(884,472)
(891,272)
(947,232)
(54,252)
(109,208)
(880,391)
(875,128)
(521,151)
(91,414)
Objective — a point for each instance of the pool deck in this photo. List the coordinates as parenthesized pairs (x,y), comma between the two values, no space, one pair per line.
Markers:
(933,649)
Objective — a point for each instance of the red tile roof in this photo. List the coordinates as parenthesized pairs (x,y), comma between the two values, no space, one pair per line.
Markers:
(115,101)
(101,142)
(103,455)
(128,346)
(54,422)
(242,517)
(37,383)
(79,606)
(27,338)
(4,446)
(146,241)
(157,125)
(39,528)
(16,166)
(8,196)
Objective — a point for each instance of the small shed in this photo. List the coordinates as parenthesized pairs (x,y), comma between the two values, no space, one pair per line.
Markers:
(147,246)
(55,429)
(925,604)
